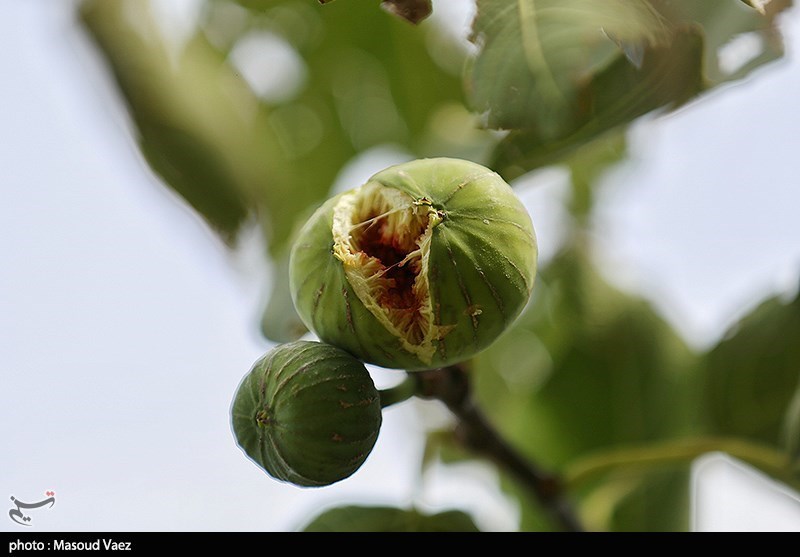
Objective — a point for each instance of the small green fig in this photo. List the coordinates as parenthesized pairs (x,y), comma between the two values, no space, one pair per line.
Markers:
(423,266)
(308,413)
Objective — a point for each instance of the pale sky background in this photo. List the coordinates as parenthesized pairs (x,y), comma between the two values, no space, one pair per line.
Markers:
(125,326)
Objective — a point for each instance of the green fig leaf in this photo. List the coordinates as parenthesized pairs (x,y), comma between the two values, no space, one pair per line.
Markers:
(545,72)
(615,96)
(791,430)
(589,368)
(587,164)
(751,378)
(381,77)
(534,54)
(198,124)
(389,519)
(723,22)
(279,320)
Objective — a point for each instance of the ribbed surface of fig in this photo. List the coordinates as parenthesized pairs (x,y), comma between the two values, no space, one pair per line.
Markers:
(308,413)
(423,266)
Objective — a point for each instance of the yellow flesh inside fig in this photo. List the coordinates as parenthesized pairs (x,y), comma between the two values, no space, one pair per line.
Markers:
(383,236)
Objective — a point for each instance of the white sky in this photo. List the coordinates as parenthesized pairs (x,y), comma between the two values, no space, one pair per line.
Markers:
(125,326)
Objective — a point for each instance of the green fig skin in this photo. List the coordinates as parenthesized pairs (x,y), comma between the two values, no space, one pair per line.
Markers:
(480,269)
(308,413)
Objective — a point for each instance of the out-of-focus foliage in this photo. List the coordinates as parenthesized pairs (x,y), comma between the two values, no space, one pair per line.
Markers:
(370,79)
(560,73)
(589,376)
(589,371)
(668,77)
(587,368)
(183,128)
(752,377)
(388,519)
(536,53)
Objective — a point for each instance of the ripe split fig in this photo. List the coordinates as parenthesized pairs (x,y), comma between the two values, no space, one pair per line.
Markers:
(423,266)
(308,413)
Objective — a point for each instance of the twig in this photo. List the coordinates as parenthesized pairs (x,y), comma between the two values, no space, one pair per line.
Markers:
(770,460)
(451,385)
(399,393)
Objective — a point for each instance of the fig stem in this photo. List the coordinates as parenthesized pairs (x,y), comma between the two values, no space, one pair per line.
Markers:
(451,385)
(399,393)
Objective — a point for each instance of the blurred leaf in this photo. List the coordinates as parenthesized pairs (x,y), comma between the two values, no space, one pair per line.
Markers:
(569,83)
(279,321)
(726,21)
(198,124)
(587,164)
(599,359)
(373,70)
(752,376)
(194,170)
(534,54)
(388,519)
(184,152)
(586,368)
(657,501)
(370,80)
(791,430)
(615,96)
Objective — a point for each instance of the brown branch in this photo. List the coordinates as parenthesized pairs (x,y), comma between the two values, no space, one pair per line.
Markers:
(451,385)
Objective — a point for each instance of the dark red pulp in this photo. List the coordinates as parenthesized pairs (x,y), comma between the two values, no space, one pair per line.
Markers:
(377,242)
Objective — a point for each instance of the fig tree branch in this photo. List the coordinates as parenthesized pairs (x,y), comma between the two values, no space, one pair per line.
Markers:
(451,385)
